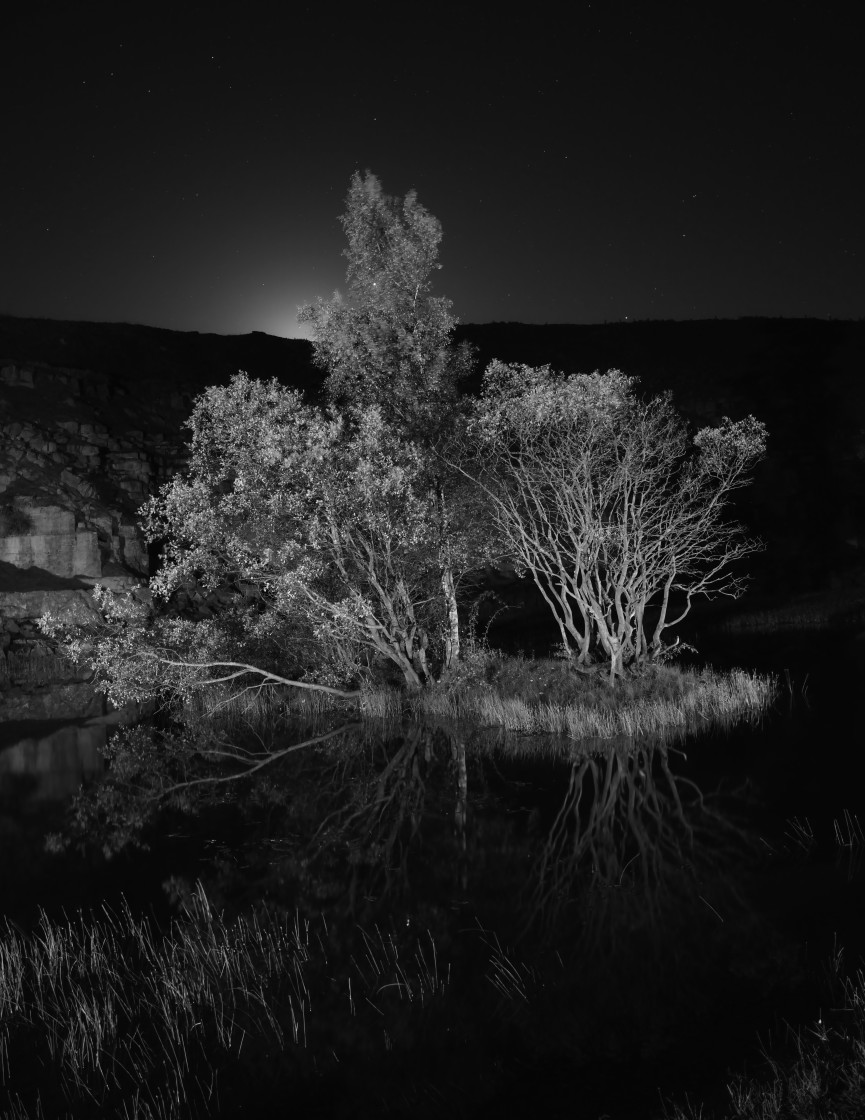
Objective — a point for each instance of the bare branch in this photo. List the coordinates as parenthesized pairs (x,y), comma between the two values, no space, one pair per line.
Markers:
(268,677)
(275,756)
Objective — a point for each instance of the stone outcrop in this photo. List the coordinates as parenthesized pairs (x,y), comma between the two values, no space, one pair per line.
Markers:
(53,541)
(73,471)
(92,423)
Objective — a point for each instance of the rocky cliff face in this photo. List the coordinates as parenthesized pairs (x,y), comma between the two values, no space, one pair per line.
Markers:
(91,423)
(75,464)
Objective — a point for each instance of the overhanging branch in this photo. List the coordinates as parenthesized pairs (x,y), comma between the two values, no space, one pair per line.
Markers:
(268,677)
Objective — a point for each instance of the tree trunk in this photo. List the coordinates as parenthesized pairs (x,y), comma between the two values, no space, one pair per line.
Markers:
(452,639)
(586,640)
(419,658)
(615,663)
(452,636)
(412,680)
(662,617)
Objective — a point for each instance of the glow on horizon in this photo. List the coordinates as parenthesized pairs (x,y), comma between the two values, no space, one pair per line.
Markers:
(278,324)
(285,325)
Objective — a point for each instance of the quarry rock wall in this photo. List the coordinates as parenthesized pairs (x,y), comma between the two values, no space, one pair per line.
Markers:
(78,456)
(91,424)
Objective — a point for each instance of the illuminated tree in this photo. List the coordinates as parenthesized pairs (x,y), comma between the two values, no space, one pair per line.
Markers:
(343,529)
(389,345)
(389,342)
(327,516)
(605,501)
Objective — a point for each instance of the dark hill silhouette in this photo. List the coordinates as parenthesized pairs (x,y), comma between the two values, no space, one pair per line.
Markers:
(177,359)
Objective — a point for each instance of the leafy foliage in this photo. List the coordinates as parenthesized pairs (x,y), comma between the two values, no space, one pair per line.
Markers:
(389,343)
(328,517)
(389,346)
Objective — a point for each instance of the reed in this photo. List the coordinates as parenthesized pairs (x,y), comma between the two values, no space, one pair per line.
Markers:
(112,1017)
(664,701)
(384,704)
(261,709)
(815,1074)
(522,695)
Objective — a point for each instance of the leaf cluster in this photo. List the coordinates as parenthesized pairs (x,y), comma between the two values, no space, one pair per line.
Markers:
(388,343)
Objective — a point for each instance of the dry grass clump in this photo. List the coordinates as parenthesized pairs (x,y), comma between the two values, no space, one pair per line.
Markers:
(261,709)
(542,695)
(384,704)
(520,694)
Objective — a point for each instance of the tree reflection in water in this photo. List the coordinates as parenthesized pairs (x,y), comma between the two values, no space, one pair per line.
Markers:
(631,834)
(585,905)
(385,837)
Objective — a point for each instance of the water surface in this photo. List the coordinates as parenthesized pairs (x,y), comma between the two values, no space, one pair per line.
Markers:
(616,920)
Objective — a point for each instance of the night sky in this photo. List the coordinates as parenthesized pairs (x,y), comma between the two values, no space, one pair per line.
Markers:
(588,162)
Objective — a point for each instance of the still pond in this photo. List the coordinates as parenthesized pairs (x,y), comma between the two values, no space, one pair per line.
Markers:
(475,924)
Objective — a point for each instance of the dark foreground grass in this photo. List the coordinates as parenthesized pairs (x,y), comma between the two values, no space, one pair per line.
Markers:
(106,1016)
(818,1075)
(268,1014)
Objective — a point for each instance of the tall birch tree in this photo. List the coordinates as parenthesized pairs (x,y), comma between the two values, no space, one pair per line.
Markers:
(388,343)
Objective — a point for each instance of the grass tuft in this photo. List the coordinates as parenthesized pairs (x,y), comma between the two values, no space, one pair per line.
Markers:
(546,696)
(521,695)
(819,1073)
(113,1017)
